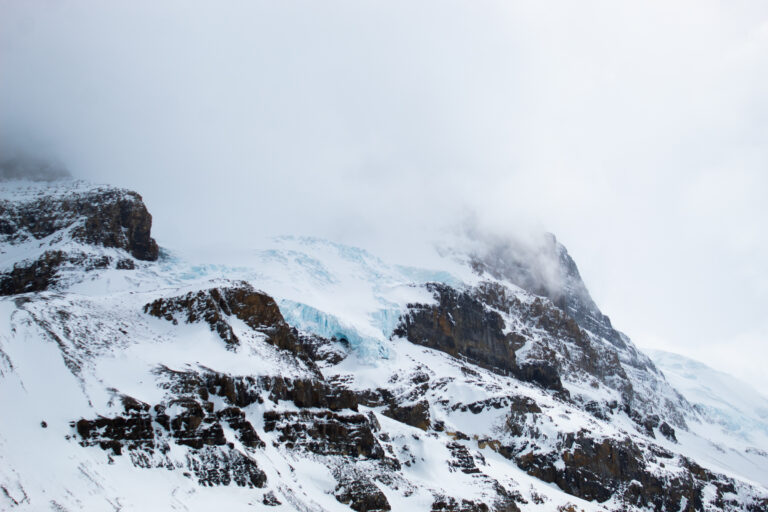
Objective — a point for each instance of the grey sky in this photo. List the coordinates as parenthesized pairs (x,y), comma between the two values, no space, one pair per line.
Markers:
(637,132)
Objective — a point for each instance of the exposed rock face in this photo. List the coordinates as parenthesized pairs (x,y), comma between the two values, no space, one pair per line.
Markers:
(37,276)
(416,415)
(104,217)
(601,469)
(464,327)
(327,425)
(310,393)
(545,268)
(450,504)
(326,433)
(42,273)
(69,222)
(258,310)
(506,503)
(560,329)
(361,494)
(205,412)
(470,325)
(134,429)
(144,433)
(667,431)
(460,326)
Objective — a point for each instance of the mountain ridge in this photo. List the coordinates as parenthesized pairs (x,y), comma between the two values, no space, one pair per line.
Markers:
(320,377)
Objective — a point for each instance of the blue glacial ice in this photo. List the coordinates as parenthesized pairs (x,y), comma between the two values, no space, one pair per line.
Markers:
(309,319)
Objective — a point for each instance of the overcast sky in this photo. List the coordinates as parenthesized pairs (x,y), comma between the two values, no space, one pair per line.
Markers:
(637,132)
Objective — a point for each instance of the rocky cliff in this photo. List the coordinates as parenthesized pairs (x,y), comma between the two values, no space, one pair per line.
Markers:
(47,227)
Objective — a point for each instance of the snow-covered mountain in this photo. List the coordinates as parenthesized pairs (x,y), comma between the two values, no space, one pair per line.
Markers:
(319,377)
(728,410)
(723,400)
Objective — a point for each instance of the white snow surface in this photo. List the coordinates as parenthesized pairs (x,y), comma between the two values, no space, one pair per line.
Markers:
(732,421)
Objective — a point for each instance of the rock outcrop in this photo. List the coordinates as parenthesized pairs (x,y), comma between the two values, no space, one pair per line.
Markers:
(34,276)
(64,224)
(213,306)
(103,217)
(545,268)
(144,433)
(463,326)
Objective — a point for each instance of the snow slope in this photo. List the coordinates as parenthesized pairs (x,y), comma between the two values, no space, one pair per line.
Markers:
(731,414)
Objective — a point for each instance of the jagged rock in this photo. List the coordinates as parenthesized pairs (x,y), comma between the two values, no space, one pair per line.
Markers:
(597,409)
(310,393)
(374,397)
(647,423)
(540,372)
(360,494)
(125,264)
(247,435)
(522,415)
(193,427)
(242,391)
(590,358)
(325,433)
(196,426)
(549,271)
(271,500)
(258,310)
(44,272)
(34,276)
(461,326)
(600,469)
(450,504)
(224,467)
(524,405)
(134,431)
(416,415)
(506,501)
(667,431)
(200,428)
(239,391)
(482,405)
(104,217)
(462,460)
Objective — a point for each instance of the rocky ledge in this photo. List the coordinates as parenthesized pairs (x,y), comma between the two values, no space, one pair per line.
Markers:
(65,223)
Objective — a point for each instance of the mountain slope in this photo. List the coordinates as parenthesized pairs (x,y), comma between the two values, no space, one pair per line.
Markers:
(729,413)
(320,377)
(725,400)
